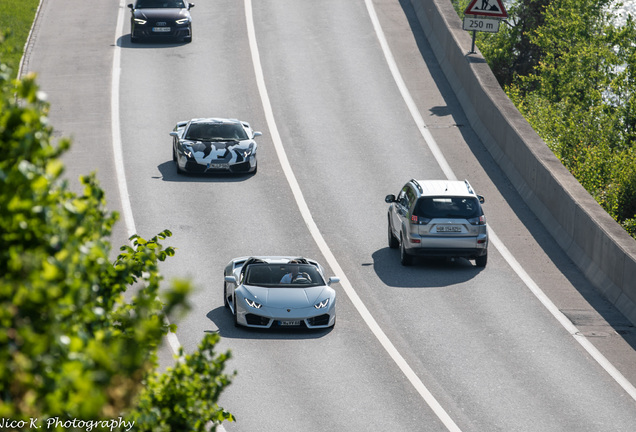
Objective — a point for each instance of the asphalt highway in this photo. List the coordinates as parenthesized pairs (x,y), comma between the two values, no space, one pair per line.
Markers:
(438,346)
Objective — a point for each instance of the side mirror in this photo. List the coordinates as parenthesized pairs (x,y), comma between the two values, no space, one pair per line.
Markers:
(190,5)
(481,199)
(333,280)
(131,6)
(174,134)
(230,279)
(256,134)
(389,199)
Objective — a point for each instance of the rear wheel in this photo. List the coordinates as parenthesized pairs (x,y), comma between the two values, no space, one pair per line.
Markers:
(393,241)
(481,261)
(405,258)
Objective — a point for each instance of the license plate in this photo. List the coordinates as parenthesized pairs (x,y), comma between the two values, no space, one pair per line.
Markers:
(161,29)
(289,323)
(449,229)
(219,166)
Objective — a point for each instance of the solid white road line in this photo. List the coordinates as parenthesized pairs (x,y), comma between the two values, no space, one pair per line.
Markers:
(127,213)
(320,241)
(503,250)
(129,220)
(313,228)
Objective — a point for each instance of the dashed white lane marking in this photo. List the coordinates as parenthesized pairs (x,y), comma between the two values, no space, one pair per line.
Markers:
(503,250)
(320,241)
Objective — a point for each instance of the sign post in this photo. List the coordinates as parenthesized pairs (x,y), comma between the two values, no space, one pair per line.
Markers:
(483,15)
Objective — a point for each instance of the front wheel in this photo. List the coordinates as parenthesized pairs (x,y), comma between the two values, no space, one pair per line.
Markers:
(225,302)
(236,324)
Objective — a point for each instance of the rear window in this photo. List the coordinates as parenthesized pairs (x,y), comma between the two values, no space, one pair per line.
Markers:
(447,207)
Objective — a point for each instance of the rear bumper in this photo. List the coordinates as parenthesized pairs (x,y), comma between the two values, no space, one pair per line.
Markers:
(448,252)
(468,247)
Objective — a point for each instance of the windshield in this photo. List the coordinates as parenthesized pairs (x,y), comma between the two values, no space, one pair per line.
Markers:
(215,132)
(283,275)
(157,4)
(447,207)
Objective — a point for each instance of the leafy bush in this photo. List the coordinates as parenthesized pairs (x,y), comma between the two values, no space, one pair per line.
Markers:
(570,68)
(71,346)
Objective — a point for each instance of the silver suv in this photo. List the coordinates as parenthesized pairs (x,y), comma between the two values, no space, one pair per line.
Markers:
(438,218)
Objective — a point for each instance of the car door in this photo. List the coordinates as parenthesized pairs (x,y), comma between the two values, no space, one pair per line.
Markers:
(400,214)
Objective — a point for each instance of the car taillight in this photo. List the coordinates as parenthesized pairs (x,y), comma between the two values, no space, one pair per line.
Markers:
(419,220)
(481,220)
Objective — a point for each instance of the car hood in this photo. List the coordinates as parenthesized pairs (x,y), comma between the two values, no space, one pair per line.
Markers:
(287,297)
(161,13)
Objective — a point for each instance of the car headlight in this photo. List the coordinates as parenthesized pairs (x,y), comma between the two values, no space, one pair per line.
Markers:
(188,153)
(322,304)
(140,21)
(182,21)
(252,303)
(244,153)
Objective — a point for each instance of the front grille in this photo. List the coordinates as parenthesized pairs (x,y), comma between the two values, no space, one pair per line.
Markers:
(256,320)
(194,167)
(164,24)
(240,167)
(320,320)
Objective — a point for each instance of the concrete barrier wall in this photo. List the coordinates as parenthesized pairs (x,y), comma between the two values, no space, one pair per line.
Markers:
(598,245)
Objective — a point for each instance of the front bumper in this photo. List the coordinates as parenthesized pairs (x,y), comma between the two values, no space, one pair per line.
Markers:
(310,318)
(146,32)
(192,166)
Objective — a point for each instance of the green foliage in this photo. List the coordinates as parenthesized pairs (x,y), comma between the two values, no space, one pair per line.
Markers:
(510,52)
(16,17)
(570,69)
(176,400)
(71,345)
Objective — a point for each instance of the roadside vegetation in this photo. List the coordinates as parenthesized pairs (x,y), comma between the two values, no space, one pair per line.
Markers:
(16,18)
(79,332)
(72,346)
(570,68)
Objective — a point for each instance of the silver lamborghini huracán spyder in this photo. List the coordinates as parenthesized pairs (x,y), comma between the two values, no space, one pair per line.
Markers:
(268,292)
(208,145)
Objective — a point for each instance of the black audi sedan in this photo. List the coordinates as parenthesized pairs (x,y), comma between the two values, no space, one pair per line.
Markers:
(160,19)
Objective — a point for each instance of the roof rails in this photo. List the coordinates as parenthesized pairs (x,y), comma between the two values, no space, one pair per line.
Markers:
(417,185)
(470,189)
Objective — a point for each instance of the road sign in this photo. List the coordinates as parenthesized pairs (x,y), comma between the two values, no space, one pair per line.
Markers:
(481,24)
(491,8)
